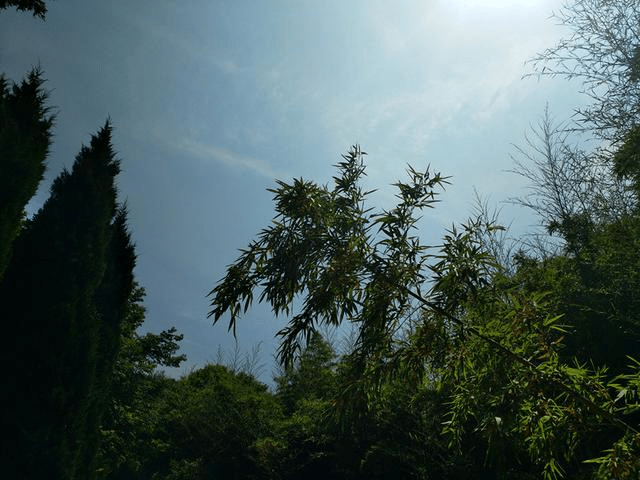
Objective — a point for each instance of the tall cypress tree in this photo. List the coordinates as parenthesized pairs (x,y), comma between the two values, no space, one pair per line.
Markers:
(62,300)
(25,136)
(110,300)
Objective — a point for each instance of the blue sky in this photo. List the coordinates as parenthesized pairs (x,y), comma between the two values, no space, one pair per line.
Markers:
(212,101)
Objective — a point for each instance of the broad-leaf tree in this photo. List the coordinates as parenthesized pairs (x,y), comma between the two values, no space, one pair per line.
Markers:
(128,427)
(451,318)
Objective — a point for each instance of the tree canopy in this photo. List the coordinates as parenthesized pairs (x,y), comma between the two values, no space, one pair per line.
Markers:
(469,359)
(530,358)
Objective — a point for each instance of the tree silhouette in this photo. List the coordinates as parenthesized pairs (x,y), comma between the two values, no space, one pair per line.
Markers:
(25,136)
(63,300)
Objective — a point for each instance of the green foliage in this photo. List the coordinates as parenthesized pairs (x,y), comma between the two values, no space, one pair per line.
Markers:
(131,445)
(63,296)
(620,462)
(461,367)
(128,426)
(490,341)
(313,375)
(351,264)
(140,356)
(212,423)
(626,159)
(212,418)
(595,290)
(304,442)
(25,135)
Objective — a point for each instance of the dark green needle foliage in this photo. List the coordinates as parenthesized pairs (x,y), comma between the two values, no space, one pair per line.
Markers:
(62,301)
(25,135)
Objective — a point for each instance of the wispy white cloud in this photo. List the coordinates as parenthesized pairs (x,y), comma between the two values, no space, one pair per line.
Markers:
(206,152)
(226,157)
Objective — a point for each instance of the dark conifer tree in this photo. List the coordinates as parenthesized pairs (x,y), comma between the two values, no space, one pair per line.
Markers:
(25,136)
(37,7)
(110,301)
(62,301)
